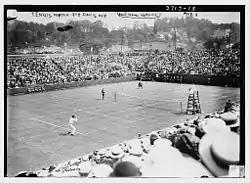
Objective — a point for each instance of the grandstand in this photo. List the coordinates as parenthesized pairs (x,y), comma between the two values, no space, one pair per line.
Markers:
(75,68)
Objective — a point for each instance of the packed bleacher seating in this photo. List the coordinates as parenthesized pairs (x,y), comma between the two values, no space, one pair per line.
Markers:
(202,147)
(203,62)
(24,72)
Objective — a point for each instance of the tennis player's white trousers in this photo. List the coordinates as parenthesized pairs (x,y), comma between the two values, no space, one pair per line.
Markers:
(73,128)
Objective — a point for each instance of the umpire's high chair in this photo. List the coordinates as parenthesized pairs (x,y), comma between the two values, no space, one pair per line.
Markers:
(193,104)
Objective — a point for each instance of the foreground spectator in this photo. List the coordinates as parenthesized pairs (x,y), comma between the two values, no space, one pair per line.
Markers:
(220,150)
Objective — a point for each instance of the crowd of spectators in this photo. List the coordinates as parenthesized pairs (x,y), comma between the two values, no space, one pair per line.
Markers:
(23,71)
(204,62)
(28,71)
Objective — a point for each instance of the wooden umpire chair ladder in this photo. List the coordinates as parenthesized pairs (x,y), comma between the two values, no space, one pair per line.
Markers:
(193,104)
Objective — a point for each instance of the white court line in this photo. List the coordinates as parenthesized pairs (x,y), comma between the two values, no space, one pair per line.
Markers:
(86,109)
(52,124)
(93,107)
(215,96)
(88,112)
(84,134)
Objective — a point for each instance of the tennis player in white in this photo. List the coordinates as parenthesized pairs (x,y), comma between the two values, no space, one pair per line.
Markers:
(72,121)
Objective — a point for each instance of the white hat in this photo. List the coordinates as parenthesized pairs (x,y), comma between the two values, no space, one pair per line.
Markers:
(85,168)
(220,150)
(154,133)
(214,125)
(236,112)
(85,157)
(161,143)
(136,151)
(172,130)
(75,161)
(230,118)
(102,152)
(116,152)
(43,173)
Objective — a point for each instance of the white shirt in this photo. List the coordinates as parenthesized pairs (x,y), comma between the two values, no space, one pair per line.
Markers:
(72,120)
(191,92)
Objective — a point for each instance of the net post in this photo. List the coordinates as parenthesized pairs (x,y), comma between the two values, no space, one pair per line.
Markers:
(181,106)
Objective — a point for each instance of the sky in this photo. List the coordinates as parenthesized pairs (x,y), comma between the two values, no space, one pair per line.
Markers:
(113,21)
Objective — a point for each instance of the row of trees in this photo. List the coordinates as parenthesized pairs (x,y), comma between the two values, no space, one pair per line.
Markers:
(86,33)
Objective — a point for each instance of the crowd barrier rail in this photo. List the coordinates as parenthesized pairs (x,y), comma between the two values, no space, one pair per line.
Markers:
(232,81)
(74,84)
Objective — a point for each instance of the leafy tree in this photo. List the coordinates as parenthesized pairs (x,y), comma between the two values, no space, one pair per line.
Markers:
(23,34)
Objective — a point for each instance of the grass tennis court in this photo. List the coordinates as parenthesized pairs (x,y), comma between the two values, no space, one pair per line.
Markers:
(37,122)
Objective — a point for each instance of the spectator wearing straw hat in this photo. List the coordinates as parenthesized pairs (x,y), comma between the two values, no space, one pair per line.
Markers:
(213,126)
(231,120)
(153,136)
(188,144)
(219,151)
(228,106)
(85,169)
(116,153)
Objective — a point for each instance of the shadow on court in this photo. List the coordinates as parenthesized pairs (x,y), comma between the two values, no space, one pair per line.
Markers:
(180,113)
(64,133)
(98,99)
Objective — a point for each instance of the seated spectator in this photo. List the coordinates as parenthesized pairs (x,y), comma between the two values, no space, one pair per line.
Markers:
(220,150)
(228,106)
(188,144)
